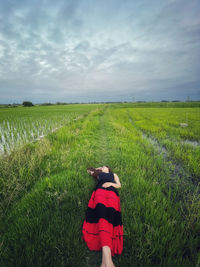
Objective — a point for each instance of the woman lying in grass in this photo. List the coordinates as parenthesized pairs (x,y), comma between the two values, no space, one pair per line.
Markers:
(102,228)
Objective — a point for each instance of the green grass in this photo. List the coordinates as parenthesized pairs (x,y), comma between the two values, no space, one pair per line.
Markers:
(164,125)
(21,125)
(45,190)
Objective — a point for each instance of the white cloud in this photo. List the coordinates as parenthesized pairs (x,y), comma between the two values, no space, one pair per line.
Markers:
(114,46)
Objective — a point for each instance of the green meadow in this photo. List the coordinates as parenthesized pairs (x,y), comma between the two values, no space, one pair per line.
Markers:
(44,187)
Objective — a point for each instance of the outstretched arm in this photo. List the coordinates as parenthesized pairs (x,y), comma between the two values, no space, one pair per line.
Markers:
(99,168)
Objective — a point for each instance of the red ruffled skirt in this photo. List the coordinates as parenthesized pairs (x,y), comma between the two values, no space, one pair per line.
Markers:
(103,223)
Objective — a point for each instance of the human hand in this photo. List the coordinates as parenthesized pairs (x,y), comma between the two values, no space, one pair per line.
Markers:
(105,185)
(90,172)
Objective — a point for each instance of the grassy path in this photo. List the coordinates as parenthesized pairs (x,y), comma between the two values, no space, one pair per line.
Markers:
(103,148)
(103,155)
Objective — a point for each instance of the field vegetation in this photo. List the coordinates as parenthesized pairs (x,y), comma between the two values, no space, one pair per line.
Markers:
(45,188)
(21,125)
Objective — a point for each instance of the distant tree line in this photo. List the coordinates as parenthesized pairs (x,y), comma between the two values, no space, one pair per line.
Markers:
(27,104)
(30,104)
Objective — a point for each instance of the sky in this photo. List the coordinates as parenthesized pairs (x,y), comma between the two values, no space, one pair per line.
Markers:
(99,50)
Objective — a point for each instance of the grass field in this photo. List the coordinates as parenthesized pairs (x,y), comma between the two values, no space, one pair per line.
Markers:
(45,188)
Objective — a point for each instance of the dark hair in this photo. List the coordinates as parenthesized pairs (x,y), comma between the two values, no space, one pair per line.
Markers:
(96,171)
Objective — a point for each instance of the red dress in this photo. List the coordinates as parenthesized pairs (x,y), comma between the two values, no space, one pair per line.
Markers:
(103,223)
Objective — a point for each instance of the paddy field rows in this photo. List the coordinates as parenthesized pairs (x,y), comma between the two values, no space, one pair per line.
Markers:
(21,125)
(45,188)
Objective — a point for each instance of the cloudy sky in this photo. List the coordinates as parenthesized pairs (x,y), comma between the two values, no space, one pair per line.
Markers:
(99,50)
